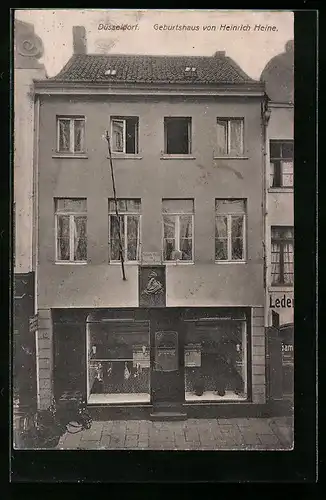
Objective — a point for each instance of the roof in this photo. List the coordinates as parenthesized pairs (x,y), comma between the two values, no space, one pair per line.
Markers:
(278,76)
(152,69)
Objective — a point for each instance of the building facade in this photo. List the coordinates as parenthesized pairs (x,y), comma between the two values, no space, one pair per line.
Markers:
(28,50)
(278,76)
(182,203)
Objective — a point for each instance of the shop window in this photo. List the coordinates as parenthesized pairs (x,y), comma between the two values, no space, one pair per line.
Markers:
(71,229)
(230,226)
(71,134)
(124,133)
(216,360)
(282,256)
(118,359)
(281,164)
(178,221)
(124,229)
(177,135)
(229,137)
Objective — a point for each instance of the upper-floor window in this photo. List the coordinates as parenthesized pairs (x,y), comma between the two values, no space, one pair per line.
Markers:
(71,134)
(124,229)
(71,229)
(282,255)
(124,133)
(281,163)
(178,220)
(177,135)
(230,216)
(230,137)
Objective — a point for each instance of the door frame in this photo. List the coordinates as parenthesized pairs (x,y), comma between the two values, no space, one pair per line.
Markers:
(167,320)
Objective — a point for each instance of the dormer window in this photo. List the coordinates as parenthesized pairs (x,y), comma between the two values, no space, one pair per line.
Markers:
(193,69)
(110,72)
(188,69)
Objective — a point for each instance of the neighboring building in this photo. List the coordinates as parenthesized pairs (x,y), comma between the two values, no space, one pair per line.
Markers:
(278,76)
(185,330)
(28,49)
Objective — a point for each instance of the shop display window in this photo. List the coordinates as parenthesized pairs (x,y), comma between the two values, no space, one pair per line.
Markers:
(216,360)
(118,362)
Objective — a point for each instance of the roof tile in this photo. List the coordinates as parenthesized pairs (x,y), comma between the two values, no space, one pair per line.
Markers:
(152,69)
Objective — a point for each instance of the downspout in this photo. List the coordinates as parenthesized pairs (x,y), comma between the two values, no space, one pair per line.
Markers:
(265,120)
(35,231)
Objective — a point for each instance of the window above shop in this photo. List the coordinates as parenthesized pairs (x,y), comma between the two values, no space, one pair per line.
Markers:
(178,222)
(281,164)
(71,230)
(124,229)
(282,255)
(124,134)
(71,134)
(229,137)
(177,135)
(230,233)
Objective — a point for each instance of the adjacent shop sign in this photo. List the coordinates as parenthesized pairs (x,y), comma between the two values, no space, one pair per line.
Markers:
(33,323)
(152,286)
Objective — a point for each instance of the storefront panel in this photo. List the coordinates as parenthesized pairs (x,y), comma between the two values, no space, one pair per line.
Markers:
(155,356)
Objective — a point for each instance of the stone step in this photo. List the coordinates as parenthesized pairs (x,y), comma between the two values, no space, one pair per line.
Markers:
(168,416)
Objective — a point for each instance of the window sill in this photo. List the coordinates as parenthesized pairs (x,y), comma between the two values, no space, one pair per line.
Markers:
(123,156)
(280,190)
(70,155)
(231,157)
(177,157)
(70,263)
(127,263)
(230,262)
(178,263)
(281,288)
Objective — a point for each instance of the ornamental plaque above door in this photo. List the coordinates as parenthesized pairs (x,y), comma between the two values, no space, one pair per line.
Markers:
(152,288)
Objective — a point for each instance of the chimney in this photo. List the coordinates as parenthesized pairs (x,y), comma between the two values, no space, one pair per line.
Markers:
(79,40)
(220,53)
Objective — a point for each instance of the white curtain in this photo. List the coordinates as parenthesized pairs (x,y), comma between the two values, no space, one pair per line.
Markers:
(64,135)
(80,239)
(79,135)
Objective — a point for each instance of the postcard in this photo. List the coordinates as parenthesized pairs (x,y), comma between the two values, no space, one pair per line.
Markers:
(154,230)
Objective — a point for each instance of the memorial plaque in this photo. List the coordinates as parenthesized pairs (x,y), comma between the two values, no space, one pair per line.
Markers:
(152,286)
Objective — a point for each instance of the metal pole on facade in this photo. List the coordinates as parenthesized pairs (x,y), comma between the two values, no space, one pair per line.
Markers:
(107,136)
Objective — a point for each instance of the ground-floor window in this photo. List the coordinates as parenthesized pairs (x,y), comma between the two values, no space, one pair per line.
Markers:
(118,362)
(216,360)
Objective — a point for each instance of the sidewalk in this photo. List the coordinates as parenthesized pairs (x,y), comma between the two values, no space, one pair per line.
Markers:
(192,434)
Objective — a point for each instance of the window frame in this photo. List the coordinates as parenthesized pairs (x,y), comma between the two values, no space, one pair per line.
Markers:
(177,237)
(123,119)
(125,249)
(189,126)
(71,216)
(281,160)
(72,119)
(229,216)
(281,242)
(228,138)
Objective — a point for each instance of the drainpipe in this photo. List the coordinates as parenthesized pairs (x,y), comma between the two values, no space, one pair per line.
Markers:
(265,119)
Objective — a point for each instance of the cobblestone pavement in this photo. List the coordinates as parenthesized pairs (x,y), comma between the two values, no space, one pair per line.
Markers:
(192,434)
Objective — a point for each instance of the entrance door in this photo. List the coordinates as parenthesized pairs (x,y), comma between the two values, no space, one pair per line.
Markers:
(167,360)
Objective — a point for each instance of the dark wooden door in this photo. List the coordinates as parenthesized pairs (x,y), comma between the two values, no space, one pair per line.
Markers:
(167,358)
